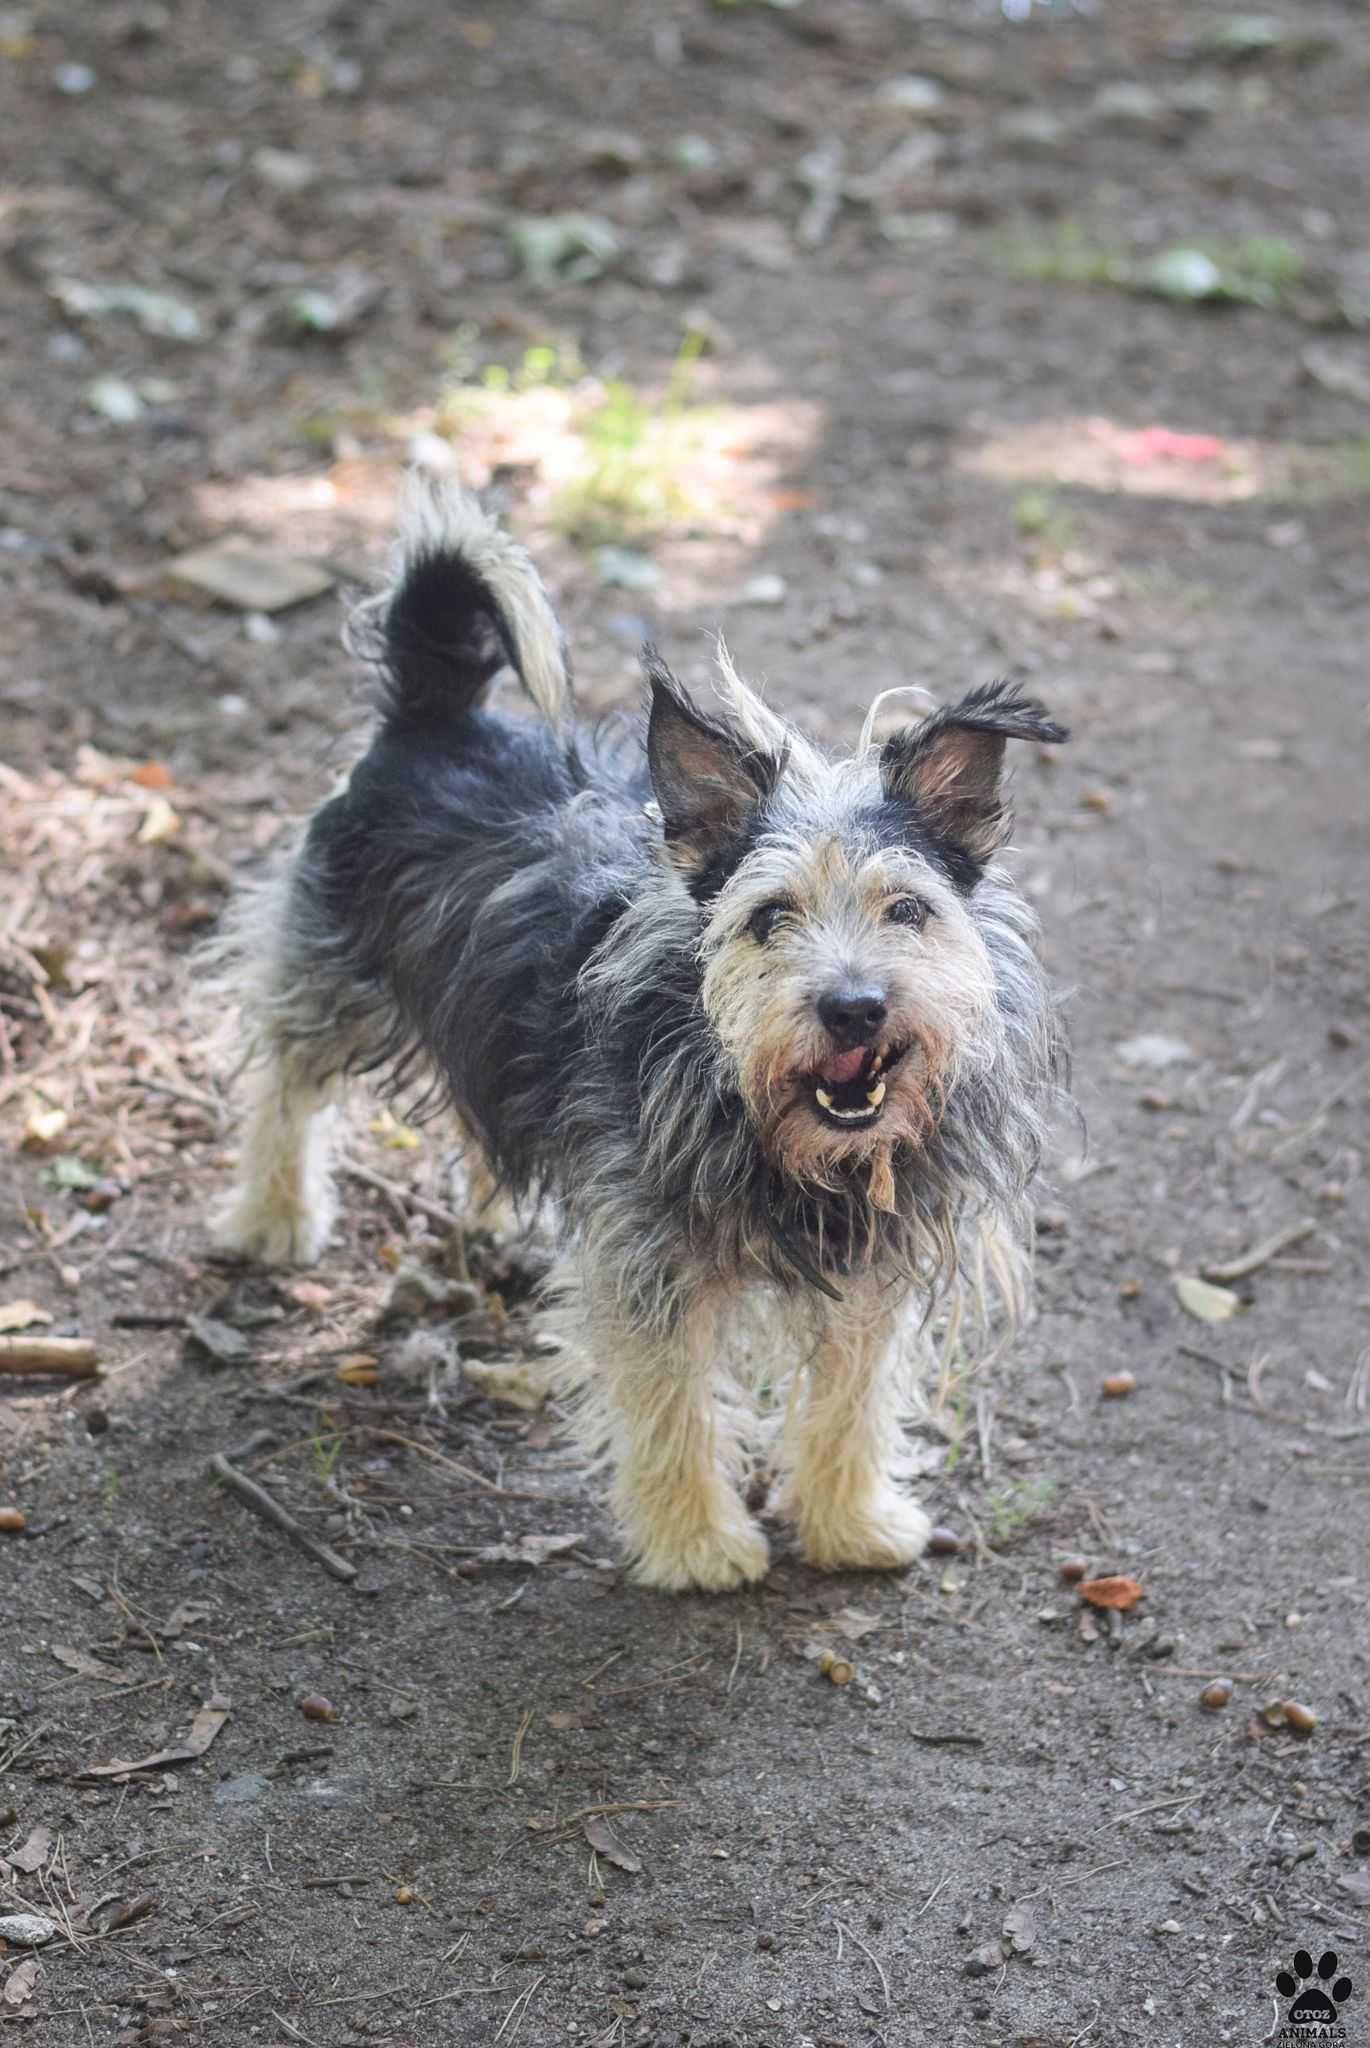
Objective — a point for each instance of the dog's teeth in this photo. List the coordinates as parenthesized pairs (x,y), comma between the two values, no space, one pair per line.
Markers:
(876,1095)
(824,1098)
(877,1063)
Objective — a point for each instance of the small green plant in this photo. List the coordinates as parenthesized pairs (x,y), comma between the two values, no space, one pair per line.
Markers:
(628,487)
(1065,253)
(1355,462)
(1253,270)
(1011,1510)
(327,1449)
(954,1408)
(1037,514)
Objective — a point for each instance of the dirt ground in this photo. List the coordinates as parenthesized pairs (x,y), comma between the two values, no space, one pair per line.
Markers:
(925,430)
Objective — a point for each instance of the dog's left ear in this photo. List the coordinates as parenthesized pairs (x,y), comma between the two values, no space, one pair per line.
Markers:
(707,778)
(951,766)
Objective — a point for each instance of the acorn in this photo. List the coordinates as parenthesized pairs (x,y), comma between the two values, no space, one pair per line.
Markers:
(837,1670)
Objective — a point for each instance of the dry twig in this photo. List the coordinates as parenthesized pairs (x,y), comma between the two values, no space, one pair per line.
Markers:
(75,1358)
(1226,1270)
(260,1500)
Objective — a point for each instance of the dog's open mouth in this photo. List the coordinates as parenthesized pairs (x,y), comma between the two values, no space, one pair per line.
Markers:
(849,1087)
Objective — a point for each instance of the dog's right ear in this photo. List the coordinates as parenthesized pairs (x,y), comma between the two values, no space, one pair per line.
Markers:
(707,778)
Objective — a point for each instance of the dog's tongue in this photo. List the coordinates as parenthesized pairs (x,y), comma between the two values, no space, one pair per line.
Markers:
(844,1066)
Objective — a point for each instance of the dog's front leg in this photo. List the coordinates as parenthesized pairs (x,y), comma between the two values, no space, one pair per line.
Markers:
(674,1451)
(843,1438)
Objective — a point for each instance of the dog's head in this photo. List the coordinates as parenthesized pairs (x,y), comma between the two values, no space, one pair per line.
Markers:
(844,972)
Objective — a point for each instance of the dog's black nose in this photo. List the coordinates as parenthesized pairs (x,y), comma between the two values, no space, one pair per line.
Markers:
(853,1012)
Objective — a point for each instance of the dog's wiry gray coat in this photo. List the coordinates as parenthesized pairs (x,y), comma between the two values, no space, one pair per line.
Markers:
(612,962)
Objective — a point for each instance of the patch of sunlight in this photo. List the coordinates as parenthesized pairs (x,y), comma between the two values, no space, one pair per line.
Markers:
(673,467)
(1159,462)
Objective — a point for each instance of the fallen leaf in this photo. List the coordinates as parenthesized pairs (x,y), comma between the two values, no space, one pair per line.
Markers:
(203,1729)
(310,1294)
(605,1842)
(578,247)
(1201,1299)
(34,1853)
(87,1667)
(226,1346)
(20,1315)
(1118,1592)
(1020,1928)
(358,1371)
(853,1623)
(20,1982)
(528,1550)
(42,1126)
(68,1170)
(151,775)
(156,313)
(161,822)
(626,568)
(132,1909)
(188,1614)
(1244,35)
(114,399)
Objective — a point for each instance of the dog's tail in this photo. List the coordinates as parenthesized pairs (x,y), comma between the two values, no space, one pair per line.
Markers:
(463,602)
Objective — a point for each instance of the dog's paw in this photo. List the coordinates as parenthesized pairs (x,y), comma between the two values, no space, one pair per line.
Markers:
(884,1533)
(280,1236)
(709,1560)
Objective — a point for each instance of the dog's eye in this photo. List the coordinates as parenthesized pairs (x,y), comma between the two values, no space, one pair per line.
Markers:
(764,921)
(909,910)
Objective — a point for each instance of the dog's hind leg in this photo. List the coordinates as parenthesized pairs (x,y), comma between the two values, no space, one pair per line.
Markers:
(486,1204)
(674,1450)
(844,1439)
(283,1206)
(302,1028)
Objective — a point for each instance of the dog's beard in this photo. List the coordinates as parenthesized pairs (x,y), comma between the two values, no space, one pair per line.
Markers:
(816,1111)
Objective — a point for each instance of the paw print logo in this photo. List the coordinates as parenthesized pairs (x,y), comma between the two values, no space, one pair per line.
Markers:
(1314,2000)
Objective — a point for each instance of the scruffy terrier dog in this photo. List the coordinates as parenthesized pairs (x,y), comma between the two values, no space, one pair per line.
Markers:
(767,1028)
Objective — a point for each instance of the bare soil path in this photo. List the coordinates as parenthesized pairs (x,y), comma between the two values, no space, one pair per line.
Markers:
(862,371)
